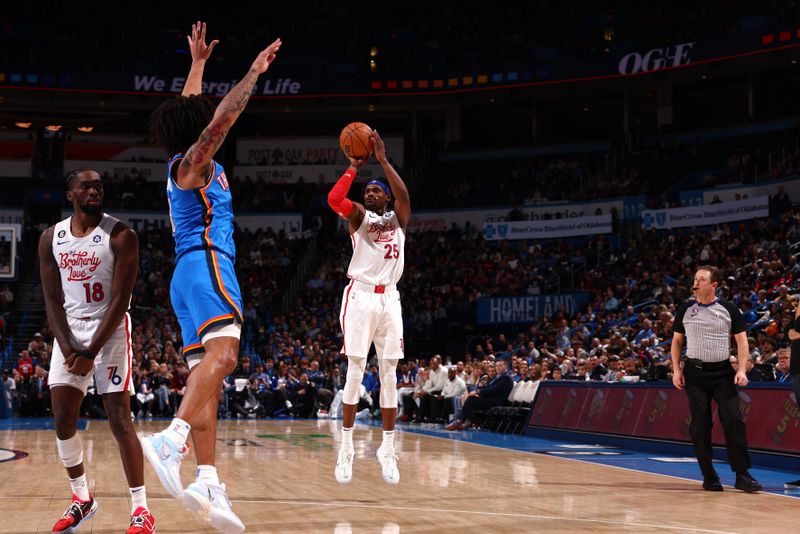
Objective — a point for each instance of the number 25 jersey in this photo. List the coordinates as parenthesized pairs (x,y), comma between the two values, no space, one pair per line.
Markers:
(378,250)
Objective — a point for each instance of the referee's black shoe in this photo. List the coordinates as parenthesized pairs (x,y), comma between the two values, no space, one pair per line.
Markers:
(712,484)
(747,483)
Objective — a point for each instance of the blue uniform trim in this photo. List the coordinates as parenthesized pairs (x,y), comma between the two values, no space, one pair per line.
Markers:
(219,287)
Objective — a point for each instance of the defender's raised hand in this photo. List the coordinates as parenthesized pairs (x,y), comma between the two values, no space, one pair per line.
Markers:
(266,57)
(197,42)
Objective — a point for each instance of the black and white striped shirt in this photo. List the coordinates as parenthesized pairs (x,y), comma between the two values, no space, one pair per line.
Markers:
(708,328)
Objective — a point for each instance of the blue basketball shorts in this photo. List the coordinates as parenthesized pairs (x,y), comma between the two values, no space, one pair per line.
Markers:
(205,296)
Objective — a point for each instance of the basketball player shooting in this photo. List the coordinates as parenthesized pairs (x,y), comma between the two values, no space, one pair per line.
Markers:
(371,311)
(204,290)
(88,264)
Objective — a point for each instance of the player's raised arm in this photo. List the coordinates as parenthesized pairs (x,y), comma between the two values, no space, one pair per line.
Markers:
(200,53)
(337,198)
(402,202)
(196,163)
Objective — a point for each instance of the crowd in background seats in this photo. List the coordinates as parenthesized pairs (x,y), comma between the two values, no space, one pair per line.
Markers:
(291,364)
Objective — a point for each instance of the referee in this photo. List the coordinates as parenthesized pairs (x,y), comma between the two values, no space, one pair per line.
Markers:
(707,323)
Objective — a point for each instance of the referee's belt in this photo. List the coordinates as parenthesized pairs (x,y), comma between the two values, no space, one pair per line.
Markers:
(363,286)
(711,366)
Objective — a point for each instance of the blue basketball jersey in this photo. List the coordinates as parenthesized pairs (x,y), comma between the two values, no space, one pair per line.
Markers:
(201,218)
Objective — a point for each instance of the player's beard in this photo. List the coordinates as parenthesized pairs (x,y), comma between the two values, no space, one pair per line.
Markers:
(92,209)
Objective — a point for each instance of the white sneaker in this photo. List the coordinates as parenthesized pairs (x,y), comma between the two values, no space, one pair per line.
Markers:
(212,504)
(388,461)
(165,457)
(344,466)
(363,414)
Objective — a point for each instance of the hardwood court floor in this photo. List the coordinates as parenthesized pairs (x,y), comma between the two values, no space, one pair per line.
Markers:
(280,479)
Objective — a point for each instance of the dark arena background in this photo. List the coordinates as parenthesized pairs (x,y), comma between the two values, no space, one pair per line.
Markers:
(570,166)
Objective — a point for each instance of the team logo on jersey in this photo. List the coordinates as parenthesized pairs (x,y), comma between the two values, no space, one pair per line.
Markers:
(62,233)
(97,238)
(79,264)
(695,310)
(385,232)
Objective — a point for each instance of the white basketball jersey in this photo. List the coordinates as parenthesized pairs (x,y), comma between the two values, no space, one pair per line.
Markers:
(378,255)
(86,265)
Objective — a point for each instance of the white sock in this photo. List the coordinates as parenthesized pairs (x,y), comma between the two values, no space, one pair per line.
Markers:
(178,431)
(388,440)
(138,498)
(208,474)
(80,488)
(347,438)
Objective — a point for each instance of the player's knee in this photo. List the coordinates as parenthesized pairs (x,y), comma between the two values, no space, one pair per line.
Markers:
(226,359)
(65,423)
(70,450)
(120,423)
(355,373)
(388,376)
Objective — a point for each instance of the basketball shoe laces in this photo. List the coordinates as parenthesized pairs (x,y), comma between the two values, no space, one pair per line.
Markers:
(138,520)
(76,511)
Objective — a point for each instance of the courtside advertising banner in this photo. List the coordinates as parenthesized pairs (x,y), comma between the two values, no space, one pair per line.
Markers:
(723,212)
(529,308)
(547,229)
(662,412)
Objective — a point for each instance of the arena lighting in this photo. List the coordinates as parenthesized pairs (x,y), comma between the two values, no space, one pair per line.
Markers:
(52,127)
(373,51)
(22,124)
(85,129)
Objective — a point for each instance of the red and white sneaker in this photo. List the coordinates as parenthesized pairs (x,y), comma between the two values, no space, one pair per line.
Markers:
(142,522)
(77,512)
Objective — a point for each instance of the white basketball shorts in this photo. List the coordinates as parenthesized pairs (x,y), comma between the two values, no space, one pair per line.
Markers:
(368,317)
(112,367)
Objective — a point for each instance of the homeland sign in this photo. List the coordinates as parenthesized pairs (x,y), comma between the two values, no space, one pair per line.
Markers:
(546,229)
(725,212)
(527,309)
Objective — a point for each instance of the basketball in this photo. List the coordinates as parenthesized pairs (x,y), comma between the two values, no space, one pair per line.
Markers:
(355,140)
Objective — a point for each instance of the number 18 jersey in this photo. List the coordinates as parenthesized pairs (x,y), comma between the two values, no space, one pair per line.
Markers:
(378,250)
(86,265)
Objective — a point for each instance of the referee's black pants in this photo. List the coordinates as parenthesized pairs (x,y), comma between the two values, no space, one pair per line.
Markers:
(715,381)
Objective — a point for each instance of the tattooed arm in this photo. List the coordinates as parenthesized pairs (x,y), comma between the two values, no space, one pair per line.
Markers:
(196,163)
